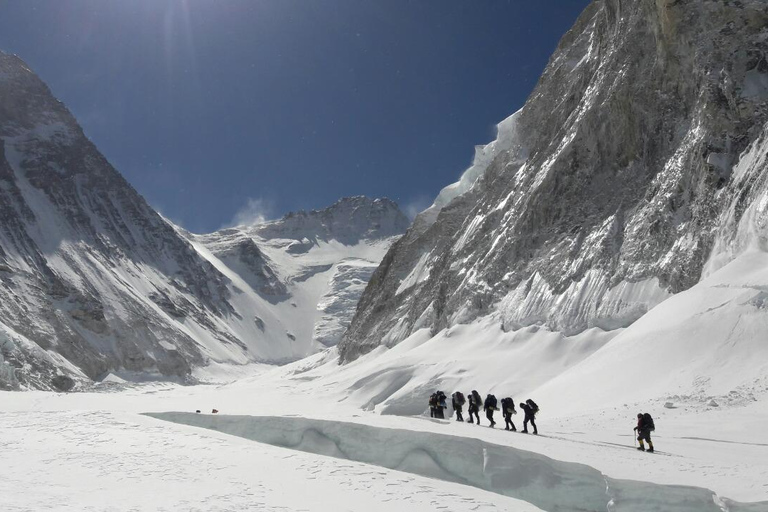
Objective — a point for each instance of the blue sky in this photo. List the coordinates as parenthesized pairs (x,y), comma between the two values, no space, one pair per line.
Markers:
(229,110)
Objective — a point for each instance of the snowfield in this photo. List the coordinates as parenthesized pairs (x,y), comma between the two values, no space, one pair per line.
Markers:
(96,451)
(112,461)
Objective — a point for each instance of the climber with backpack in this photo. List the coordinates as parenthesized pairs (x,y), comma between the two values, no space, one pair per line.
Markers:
(457,401)
(441,405)
(490,406)
(644,428)
(530,409)
(433,405)
(474,405)
(508,409)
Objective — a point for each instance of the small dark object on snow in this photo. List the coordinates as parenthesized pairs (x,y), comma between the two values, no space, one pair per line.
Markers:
(214,411)
(198,411)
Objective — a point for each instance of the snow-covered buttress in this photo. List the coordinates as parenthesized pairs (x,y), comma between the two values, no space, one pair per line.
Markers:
(606,193)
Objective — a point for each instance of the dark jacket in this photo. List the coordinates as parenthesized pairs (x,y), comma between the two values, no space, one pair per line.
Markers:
(527,410)
(643,424)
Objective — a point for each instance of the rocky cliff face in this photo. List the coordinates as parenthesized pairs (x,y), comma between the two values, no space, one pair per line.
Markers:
(604,195)
(93,281)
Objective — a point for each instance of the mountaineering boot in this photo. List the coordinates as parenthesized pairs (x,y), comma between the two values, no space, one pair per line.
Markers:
(641,448)
(523,431)
(650,449)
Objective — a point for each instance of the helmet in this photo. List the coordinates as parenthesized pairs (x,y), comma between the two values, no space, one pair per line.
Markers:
(639,415)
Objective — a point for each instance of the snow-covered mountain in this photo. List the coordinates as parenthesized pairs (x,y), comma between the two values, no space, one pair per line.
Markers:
(635,168)
(311,267)
(94,281)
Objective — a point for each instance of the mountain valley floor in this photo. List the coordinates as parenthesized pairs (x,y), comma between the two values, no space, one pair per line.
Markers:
(97,451)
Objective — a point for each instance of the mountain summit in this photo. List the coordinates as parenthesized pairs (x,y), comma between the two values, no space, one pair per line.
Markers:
(348,220)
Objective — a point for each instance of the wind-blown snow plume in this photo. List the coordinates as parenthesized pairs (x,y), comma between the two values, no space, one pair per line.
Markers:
(255,211)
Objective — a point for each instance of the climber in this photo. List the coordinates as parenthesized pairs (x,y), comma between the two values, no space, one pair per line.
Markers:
(457,401)
(474,405)
(644,428)
(490,406)
(508,409)
(530,409)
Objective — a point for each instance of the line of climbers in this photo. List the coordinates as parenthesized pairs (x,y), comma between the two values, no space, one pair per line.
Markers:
(437,406)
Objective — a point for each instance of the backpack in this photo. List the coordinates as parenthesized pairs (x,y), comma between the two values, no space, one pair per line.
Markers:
(459,398)
(492,401)
(508,405)
(532,405)
(433,400)
(648,422)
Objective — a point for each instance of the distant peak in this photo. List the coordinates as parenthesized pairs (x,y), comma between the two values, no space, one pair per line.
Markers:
(346,203)
(348,219)
(362,201)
